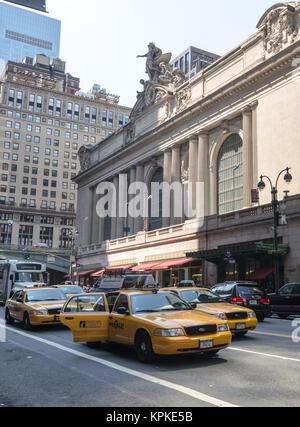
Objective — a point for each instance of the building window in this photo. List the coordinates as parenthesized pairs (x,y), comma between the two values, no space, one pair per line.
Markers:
(51,107)
(11,98)
(230,175)
(46,236)
(104,118)
(76,112)
(66,238)
(25,235)
(5,234)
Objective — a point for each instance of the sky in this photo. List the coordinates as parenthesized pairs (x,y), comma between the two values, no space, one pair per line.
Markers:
(101,39)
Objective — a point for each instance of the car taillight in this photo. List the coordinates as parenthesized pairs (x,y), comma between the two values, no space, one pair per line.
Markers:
(265,301)
(239,300)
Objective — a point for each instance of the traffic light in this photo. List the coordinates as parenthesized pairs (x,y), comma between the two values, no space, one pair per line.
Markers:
(27,257)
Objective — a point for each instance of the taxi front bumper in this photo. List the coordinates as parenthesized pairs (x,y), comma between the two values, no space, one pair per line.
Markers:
(177,345)
(38,320)
(250,324)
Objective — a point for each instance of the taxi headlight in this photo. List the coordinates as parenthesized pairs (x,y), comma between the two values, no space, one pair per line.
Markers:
(168,333)
(40,312)
(221,316)
(223,328)
(252,315)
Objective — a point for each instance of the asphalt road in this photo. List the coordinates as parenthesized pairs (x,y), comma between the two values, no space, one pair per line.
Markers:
(44,368)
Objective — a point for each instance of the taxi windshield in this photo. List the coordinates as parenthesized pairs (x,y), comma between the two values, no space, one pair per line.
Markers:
(153,303)
(200,296)
(29,277)
(45,295)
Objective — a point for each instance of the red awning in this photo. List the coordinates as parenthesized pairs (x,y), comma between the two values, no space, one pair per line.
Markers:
(98,273)
(261,273)
(82,274)
(145,267)
(166,265)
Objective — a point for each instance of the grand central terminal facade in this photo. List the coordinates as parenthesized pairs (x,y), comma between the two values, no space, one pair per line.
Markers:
(233,122)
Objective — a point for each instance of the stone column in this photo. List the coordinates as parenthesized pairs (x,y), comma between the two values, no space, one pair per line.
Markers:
(114,220)
(122,190)
(247,155)
(167,180)
(193,169)
(95,224)
(90,218)
(132,176)
(203,167)
(176,217)
(138,222)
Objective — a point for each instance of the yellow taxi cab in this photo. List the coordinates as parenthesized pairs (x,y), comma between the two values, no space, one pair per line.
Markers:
(35,306)
(153,322)
(241,320)
(69,289)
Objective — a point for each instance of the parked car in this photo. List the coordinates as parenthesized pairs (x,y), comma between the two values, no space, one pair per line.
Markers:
(240,320)
(36,306)
(245,294)
(287,301)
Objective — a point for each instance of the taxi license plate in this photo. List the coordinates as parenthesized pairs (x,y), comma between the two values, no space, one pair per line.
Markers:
(240,326)
(204,344)
(253,302)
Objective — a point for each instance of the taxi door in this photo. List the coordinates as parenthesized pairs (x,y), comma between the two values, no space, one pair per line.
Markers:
(118,324)
(16,306)
(86,315)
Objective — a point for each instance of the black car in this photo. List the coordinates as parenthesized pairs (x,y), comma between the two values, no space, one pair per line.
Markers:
(287,301)
(246,294)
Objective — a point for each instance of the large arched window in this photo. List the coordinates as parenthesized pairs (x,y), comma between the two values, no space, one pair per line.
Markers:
(155,222)
(230,175)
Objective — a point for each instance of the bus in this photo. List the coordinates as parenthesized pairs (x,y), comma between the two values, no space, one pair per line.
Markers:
(16,275)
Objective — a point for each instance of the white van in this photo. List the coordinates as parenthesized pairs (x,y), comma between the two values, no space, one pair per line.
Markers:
(129,281)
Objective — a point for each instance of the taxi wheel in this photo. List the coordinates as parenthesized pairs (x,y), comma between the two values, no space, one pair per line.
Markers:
(9,320)
(26,322)
(143,347)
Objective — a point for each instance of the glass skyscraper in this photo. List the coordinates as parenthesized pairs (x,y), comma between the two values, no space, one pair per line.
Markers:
(27,33)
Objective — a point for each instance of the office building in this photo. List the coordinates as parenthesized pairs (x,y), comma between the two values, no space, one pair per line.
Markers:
(193,60)
(26,33)
(44,121)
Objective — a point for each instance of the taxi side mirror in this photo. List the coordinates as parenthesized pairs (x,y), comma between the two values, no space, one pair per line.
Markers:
(193,305)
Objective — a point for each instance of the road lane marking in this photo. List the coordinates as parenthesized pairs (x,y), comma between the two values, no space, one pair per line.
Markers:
(185,390)
(271,334)
(264,354)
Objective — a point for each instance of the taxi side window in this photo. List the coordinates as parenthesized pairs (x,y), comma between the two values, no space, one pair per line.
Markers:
(122,302)
(15,296)
(111,299)
(86,304)
(20,296)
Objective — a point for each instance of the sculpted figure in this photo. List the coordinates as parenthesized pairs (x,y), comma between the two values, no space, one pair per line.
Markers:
(152,65)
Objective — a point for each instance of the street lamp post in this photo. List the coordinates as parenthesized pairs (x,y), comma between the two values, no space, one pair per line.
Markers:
(275,204)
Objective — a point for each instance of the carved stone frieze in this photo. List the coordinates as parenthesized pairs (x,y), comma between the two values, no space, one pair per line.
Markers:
(183,97)
(84,157)
(279,27)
